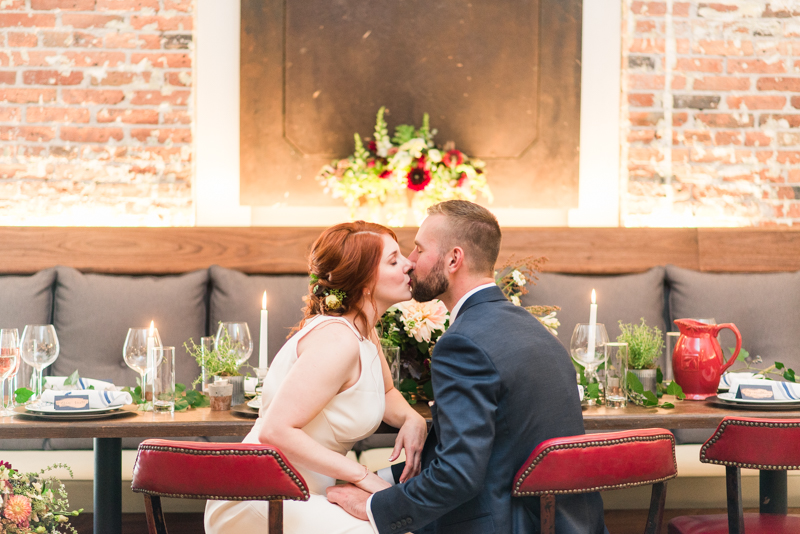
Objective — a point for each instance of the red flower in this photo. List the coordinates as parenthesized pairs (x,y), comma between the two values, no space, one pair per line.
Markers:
(462,179)
(370,163)
(385,174)
(421,161)
(372,146)
(418,178)
(453,158)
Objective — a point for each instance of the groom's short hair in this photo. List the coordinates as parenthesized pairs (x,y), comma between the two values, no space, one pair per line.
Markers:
(473,228)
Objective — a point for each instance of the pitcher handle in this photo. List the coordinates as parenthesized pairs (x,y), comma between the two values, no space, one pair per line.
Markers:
(732,359)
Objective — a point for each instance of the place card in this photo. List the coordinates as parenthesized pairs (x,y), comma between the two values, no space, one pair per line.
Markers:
(71,402)
(755,392)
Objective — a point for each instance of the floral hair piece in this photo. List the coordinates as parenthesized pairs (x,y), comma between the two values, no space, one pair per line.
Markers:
(334,298)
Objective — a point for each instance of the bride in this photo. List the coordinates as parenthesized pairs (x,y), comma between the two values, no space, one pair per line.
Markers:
(330,386)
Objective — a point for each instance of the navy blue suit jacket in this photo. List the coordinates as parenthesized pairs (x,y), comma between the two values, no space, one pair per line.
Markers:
(503,384)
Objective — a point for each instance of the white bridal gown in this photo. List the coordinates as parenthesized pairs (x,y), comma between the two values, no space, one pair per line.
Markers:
(350,416)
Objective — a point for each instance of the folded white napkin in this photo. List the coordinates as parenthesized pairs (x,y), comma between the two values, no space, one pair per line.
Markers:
(250,384)
(97,399)
(783,391)
(580,391)
(57,383)
(728,379)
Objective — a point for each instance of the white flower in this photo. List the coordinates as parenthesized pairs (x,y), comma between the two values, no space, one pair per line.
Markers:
(422,319)
(515,300)
(434,155)
(401,160)
(518,277)
(550,322)
(414,146)
(383,145)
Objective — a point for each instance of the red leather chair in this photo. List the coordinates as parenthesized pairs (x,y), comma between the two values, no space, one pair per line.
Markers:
(765,444)
(222,471)
(599,462)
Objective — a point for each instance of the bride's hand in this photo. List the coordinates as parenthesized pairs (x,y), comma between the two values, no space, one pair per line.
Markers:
(411,437)
(372,483)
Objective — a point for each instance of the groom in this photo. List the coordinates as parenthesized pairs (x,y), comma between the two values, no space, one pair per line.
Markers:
(503,384)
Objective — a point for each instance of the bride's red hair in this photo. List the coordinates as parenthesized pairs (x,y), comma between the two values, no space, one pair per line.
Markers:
(345,257)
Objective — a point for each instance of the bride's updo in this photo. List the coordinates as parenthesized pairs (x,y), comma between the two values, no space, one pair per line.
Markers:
(343,268)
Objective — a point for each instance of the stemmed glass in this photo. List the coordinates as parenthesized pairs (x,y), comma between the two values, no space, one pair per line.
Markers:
(39,348)
(138,354)
(9,364)
(588,359)
(240,342)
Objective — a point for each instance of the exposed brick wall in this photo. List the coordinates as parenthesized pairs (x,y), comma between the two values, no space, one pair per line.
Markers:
(735,129)
(96,112)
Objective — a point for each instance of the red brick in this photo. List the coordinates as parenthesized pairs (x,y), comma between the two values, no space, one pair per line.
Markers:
(120,78)
(8,77)
(788,139)
(22,39)
(183,79)
(90,135)
(177,117)
(645,81)
(176,98)
(642,100)
(792,120)
(128,116)
(723,48)
(647,46)
(35,134)
(48,114)
(762,156)
(65,5)
(727,137)
(755,66)
(720,8)
(96,59)
(794,210)
(794,176)
(698,65)
(725,120)
(37,58)
(75,39)
(721,83)
(796,102)
(9,114)
(81,20)
(126,5)
(27,96)
(779,84)
(162,23)
(768,175)
(648,8)
(163,135)
(51,77)
(178,5)
(634,136)
(756,102)
(27,20)
(91,96)
(644,154)
(13,4)
(681,9)
(161,60)
(695,136)
(679,119)
(785,193)
(757,139)
(645,118)
(788,156)
(133,40)
(645,26)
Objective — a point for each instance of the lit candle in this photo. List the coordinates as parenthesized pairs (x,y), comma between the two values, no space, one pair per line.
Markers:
(263,339)
(592,325)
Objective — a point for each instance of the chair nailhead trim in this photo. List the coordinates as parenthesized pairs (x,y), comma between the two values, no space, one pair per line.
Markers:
(739,422)
(227,452)
(599,443)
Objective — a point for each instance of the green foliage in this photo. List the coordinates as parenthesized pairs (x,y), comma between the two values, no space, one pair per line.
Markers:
(22,395)
(644,344)
(222,361)
(403,133)
(72,379)
(778,369)
(408,388)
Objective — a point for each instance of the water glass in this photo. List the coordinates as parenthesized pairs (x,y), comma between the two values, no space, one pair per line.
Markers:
(672,340)
(9,365)
(616,373)
(164,379)
(39,348)
(239,340)
(392,355)
(206,348)
(587,358)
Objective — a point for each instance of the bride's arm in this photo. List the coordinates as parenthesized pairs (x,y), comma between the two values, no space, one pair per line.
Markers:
(328,360)
(399,414)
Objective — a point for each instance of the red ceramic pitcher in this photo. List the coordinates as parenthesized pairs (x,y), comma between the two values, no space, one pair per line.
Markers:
(698,361)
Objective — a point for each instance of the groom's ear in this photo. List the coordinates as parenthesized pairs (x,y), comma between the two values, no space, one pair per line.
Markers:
(455,260)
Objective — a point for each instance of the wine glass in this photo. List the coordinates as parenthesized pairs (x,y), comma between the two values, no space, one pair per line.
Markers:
(138,354)
(590,360)
(9,364)
(39,348)
(240,342)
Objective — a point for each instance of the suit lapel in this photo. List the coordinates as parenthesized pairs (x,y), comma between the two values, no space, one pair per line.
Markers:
(490,294)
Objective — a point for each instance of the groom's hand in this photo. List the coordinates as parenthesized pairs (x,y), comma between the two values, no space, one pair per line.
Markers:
(351,498)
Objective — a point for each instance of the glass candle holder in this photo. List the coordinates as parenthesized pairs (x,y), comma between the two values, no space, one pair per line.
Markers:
(616,373)
(164,379)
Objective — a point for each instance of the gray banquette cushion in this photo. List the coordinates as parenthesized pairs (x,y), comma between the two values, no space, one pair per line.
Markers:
(25,300)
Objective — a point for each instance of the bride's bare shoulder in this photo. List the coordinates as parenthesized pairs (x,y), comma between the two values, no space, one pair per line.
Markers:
(332,338)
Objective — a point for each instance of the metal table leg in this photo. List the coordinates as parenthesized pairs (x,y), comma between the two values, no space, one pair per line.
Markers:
(772,491)
(108,485)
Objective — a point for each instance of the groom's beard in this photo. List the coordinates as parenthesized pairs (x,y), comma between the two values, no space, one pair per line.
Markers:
(429,288)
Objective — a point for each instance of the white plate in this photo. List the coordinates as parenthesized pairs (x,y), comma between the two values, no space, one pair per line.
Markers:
(50,410)
(255,403)
(730,398)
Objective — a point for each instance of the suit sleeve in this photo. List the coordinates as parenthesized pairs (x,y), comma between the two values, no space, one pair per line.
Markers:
(467,388)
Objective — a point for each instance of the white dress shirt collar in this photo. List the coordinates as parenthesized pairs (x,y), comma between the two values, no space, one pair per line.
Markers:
(463,299)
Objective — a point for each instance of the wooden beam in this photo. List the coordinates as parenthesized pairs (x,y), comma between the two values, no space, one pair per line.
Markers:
(748,249)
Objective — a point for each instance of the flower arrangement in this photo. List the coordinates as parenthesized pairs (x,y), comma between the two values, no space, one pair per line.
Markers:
(402,170)
(513,278)
(32,503)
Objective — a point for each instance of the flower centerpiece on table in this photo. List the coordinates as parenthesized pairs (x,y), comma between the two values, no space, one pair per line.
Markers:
(406,171)
(31,503)
(514,277)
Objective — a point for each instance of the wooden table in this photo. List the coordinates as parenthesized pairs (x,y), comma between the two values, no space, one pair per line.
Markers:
(108,434)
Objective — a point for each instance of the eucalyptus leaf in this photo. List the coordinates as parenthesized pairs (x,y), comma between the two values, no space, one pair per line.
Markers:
(789,375)
(72,379)
(22,395)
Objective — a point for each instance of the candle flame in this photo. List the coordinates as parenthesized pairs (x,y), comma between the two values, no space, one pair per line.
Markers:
(264,301)
(594,297)
(152,328)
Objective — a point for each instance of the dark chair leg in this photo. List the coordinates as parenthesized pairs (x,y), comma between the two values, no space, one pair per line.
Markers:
(658,497)
(733,482)
(275,517)
(154,514)
(547,514)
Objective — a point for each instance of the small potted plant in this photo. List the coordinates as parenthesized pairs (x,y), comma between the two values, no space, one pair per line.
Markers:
(222,361)
(644,348)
